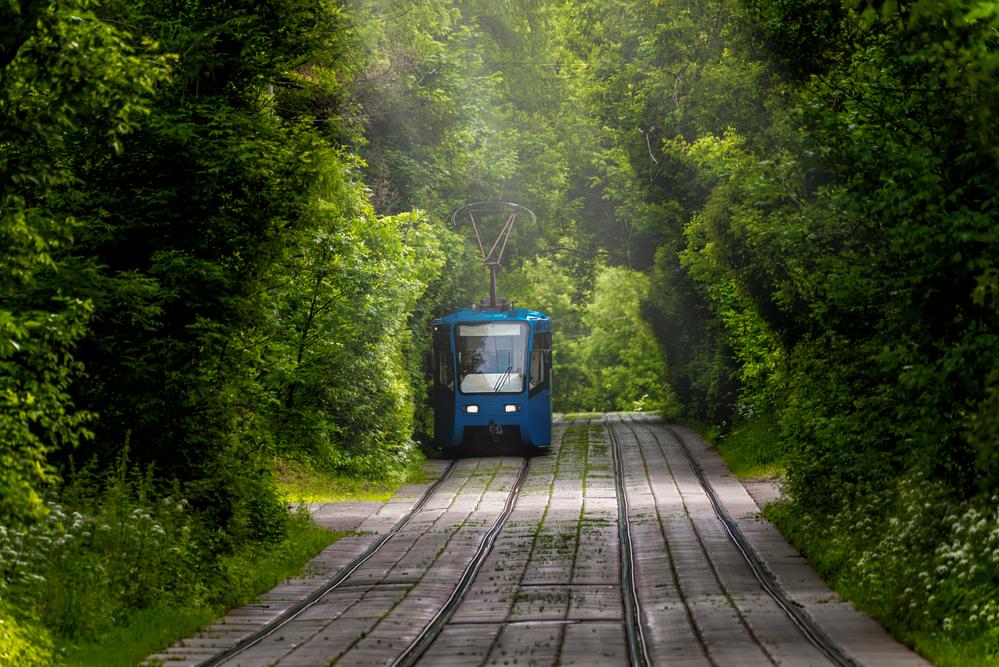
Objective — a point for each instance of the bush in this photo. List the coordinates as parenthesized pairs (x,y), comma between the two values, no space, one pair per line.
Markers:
(22,642)
(83,568)
(924,563)
(118,557)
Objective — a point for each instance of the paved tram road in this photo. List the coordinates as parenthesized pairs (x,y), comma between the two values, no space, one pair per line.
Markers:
(511,561)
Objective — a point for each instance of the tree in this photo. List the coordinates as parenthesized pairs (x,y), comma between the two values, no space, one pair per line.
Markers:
(65,74)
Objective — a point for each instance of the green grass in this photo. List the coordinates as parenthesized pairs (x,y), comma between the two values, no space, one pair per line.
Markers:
(574,416)
(247,574)
(829,556)
(752,450)
(298,483)
(146,632)
(945,653)
(250,572)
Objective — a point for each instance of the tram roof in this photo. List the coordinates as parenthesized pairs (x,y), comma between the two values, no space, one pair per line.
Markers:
(492,315)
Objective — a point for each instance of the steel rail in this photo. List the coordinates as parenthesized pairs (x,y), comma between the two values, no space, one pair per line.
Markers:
(312,598)
(432,629)
(805,624)
(674,573)
(637,646)
(560,450)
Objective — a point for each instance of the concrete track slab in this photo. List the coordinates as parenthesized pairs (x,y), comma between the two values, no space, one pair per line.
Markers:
(549,592)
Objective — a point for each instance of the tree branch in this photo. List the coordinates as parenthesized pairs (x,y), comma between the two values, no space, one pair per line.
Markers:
(19,27)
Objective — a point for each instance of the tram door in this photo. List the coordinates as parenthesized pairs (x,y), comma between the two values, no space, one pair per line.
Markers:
(443,386)
(539,388)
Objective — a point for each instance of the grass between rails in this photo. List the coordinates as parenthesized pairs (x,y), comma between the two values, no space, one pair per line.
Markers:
(577,416)
(919,562)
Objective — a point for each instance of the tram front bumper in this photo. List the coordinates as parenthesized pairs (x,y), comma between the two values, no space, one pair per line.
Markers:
(494,424)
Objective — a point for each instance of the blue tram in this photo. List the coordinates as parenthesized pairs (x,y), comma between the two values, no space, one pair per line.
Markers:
(492,377)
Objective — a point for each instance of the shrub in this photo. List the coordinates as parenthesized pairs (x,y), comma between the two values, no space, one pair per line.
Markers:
(79,571)
(23,643)
(910,553)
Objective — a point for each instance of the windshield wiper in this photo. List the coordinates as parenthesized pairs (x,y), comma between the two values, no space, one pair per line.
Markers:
(502,380)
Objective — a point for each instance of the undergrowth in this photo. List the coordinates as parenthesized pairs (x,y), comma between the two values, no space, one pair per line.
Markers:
(298,482)
(922,563)
(117,570)
(752,449)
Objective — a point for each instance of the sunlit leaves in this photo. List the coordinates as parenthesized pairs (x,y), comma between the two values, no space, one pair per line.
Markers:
(334,344)
(65,74)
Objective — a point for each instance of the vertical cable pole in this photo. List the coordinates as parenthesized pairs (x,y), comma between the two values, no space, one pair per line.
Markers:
(492,286)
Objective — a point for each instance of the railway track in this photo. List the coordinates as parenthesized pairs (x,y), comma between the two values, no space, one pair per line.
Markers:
(615,549)
(394,592)
(422,641)
(638,651)
(769,637)
(811,631)
(341,576)
(550,593)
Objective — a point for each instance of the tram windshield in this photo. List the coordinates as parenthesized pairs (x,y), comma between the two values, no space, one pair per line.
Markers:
(491,357)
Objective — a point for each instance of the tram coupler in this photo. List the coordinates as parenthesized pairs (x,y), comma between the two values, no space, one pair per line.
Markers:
(495,430)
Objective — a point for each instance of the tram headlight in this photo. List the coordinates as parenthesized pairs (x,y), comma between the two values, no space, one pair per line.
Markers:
(511,408)
(471,409)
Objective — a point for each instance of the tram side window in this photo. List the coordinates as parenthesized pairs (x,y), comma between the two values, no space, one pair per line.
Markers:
(540,369)
(444,370)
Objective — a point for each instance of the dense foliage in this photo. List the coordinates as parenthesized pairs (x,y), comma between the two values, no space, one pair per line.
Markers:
(193,281)
(822,178)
